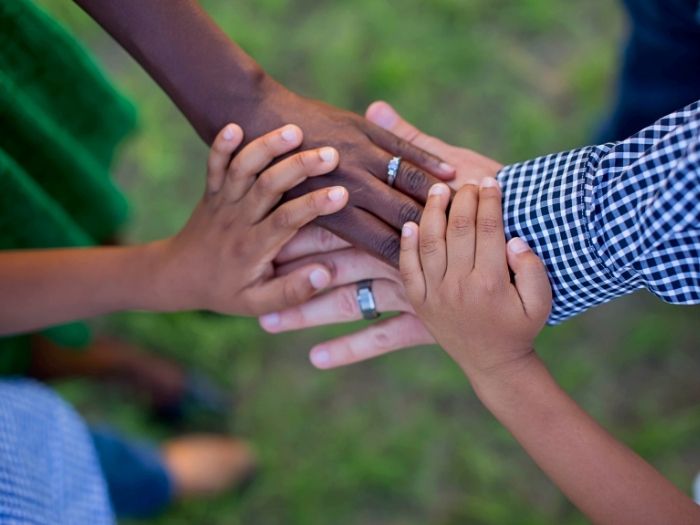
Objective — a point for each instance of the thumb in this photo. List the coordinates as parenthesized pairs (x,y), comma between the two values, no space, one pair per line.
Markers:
(289,290)
(385,116)
(531,279)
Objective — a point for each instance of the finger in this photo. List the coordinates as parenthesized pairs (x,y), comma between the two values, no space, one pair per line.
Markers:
(283,223)
(412,275)
(410,179)
(385,203)
(403,331)
(225,143)
(401,139)
(461,229)
(288,291)
(346,266)
(272,183)
(490,257)
(256,156)
(362,229)
(338,305)
(433,248)
(310,240)
(531,279)
(387,118)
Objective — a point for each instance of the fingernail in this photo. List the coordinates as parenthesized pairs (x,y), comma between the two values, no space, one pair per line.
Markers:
(319,279)
(327,154)
(406,231)
(438,189)
(336,194)
(270,320)
(228,132)
(517,245)
(385,117)
(489,182)
(447,168)
(320,358)
(290,134)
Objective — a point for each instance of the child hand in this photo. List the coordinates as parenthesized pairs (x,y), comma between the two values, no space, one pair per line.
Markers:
(456,277)
(223,258)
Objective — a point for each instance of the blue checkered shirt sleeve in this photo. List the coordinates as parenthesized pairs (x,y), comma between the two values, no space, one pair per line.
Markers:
(611,219)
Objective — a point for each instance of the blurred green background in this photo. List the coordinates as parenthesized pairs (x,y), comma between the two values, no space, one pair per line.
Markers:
(402,439)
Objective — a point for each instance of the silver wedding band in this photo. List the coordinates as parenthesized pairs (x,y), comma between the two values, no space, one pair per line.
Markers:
(365,300)
(392,170)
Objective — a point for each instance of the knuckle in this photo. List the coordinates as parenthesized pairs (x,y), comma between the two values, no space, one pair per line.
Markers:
(302,161)
(488,225)
(389,248)
(413,179)
(409,212)
(491,284)
(282,219)
(461,225)
(429,245)
(407,276)
(266,184)
(381,339)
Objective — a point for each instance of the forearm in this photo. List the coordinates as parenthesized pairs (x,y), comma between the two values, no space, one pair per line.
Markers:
(48,287)
(210,78)
(603,478)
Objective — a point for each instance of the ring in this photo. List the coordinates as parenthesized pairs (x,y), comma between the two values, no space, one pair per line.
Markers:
(365,300)
(392,170)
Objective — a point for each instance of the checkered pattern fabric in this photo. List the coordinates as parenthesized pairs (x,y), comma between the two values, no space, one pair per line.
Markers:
(610,219)
(49,473)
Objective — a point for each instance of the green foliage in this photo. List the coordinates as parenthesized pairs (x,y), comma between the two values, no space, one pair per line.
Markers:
(403,439)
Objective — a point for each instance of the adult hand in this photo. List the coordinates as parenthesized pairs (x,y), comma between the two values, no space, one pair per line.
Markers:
(376,211)
(347,267)
(213,81)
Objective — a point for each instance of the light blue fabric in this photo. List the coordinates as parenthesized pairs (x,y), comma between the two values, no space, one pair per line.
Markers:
(49,472)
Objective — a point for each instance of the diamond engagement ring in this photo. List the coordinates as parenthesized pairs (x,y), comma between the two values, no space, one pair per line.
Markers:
(392,170)
(365,300)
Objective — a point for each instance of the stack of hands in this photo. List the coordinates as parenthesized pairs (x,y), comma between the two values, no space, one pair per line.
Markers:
(244,253)
(459,283)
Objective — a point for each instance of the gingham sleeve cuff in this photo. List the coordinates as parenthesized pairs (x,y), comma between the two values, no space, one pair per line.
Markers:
(611,219)
(544,202)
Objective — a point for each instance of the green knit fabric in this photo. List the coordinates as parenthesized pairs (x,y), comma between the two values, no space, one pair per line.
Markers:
(60,123)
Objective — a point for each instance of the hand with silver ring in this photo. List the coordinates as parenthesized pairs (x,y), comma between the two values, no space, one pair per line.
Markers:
(392,170)
(339,304)
(365,300)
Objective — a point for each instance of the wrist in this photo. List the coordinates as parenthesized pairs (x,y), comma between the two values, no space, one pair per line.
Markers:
(156,279)
(503,386)
(268,105)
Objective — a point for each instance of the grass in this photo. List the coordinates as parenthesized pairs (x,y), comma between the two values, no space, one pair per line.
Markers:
(402,439)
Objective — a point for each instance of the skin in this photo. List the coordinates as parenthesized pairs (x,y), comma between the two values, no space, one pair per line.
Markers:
(348,266)
(456,273)
(213,81)
(222,260)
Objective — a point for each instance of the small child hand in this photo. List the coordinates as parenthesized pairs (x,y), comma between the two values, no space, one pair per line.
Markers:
(223,258)
(456,277)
